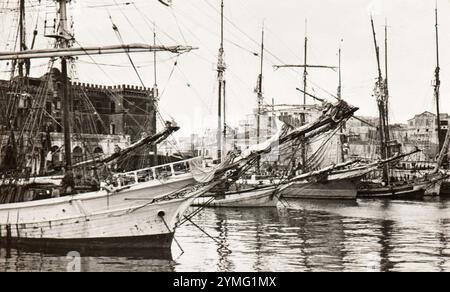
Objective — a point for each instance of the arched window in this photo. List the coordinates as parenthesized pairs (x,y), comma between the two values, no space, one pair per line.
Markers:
(98,151)
(77,154)
(55,158)
(112,129)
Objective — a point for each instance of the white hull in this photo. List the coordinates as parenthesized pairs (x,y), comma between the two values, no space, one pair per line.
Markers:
(99,217)
(251,199)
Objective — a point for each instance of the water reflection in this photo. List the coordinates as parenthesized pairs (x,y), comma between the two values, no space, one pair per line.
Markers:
(299,236)
(19,260)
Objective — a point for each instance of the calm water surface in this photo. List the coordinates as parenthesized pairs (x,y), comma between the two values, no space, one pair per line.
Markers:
(298,236)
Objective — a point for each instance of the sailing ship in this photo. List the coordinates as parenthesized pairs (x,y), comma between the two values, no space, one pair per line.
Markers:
(137,210)
(268,195)
(329,185)
(243,195)
(388,187)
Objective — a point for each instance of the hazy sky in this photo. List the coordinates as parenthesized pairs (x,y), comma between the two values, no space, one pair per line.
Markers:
(189,95)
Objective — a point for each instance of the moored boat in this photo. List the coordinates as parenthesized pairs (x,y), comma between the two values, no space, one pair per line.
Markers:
(345,189)
(427,186)
(251,198)
(133,218)
(329,185)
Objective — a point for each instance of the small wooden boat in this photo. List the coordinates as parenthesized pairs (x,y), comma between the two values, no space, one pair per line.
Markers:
(251,198)
(409,190)
(429,186)
(345,189)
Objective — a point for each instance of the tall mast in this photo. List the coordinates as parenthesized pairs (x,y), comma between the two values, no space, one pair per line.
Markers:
(155,73)
(339,96)
(339,91)
(437,84)
(155,97)
(63,42)
(221,70)
(305,66)
(305,69)
(381,101)
(305,84)
(22,35)
(260,97)
(386,84)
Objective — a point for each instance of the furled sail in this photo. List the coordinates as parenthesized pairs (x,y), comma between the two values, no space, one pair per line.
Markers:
(332,116)
(155,139)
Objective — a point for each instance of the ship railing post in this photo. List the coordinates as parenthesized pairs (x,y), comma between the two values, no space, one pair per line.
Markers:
(136,177)
(172,169)
(154,173)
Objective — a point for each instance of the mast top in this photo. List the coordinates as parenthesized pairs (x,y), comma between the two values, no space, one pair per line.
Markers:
(339,92)
(221,63)
(221,25)
(437,36)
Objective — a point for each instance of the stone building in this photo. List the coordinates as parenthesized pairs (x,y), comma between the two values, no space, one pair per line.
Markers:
(102,118)
(422,133)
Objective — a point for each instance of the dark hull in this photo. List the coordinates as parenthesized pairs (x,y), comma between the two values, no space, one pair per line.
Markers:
(399,192)
(127,246)
(445,190)
(344,189)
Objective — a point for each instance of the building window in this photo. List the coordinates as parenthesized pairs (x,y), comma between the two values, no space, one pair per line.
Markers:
(112,129)
(98,150)
(77,154)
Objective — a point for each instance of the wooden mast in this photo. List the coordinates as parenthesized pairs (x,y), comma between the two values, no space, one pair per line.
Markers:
(155,99)
(22,35)
(386,86)
(63,42)
(221,71)
(381,101)
(305,84)
(437,84)
(305,67)
(339,96)
(260,98)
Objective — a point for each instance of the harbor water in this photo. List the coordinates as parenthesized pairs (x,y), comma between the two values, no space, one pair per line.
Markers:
(367,235)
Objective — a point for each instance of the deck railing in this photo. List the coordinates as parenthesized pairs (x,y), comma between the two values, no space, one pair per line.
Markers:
(154,173)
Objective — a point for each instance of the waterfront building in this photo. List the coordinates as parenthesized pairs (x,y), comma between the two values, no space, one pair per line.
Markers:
(103,118)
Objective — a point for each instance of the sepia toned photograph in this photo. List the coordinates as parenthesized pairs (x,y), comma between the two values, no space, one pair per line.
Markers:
(224,137)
